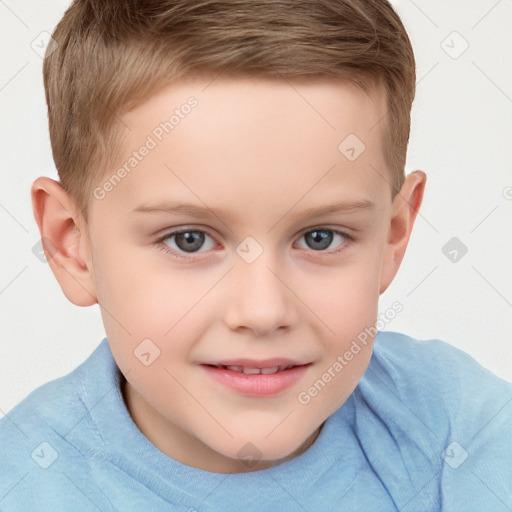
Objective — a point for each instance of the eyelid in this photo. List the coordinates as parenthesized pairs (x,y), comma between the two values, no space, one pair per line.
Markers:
(176,231)
(349,238)
(185,229)
(326,227)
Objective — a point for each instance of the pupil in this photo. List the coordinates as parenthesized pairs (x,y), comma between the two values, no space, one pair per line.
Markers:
(192,241)
(189,241)
(322,238)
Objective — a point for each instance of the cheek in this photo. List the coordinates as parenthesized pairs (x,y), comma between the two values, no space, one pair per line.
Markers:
(347,302)
(143,299)
(345,299)
(349,307)
(145,294)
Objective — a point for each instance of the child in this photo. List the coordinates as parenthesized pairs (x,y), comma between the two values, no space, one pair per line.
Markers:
(232,195)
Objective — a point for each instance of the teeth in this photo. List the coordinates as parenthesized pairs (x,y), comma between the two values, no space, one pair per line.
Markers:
(251,371)
(266,371)
(234,368)
(255,371)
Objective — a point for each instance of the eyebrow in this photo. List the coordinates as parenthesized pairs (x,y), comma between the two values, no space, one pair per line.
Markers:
(346,206)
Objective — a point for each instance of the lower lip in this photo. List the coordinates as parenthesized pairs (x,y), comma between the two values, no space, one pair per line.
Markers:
(257,385)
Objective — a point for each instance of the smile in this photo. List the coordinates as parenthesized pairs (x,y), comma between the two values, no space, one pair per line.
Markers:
(254,381)
(254,371)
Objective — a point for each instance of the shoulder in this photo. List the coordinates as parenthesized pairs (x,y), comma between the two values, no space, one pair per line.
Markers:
(57,404)
(439,413)
(46,435)
(436,371)
(438,380)
(51,407)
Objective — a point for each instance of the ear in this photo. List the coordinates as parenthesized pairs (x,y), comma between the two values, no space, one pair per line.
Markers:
(65,240)
(403,214)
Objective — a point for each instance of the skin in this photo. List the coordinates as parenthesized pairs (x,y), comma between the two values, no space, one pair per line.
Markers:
(259,151)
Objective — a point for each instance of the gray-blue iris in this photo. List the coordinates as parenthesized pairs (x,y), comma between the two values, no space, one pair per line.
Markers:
(189,241)
(322,238)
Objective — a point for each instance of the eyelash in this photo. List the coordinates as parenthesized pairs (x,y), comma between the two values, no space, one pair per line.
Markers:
(159,243)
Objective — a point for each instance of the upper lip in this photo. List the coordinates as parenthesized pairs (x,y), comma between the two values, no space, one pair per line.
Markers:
(257,363)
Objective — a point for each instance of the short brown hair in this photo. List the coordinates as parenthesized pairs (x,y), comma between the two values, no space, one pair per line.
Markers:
(111,55)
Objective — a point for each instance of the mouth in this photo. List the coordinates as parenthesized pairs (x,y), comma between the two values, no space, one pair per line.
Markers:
(248,370)
(257,379)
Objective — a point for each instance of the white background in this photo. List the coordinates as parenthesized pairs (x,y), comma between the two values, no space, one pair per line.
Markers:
(461,137)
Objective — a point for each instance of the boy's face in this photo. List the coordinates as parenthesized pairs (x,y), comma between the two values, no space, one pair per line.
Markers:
(259,276)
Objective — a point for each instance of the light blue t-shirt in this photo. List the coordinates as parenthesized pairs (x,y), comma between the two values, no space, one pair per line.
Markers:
(426,429)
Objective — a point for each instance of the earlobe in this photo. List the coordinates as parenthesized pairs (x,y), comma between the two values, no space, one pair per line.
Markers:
(62,239)
(406,205)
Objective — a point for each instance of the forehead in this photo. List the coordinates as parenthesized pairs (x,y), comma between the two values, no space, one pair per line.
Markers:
(259,106)
(257,142)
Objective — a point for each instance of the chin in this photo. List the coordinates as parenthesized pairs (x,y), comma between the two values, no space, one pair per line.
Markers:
(264,450)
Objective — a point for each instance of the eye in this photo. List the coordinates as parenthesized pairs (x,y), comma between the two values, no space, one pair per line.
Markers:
(320,239)
(185,241)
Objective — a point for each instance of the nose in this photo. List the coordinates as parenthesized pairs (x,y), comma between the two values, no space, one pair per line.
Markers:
(259,299)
